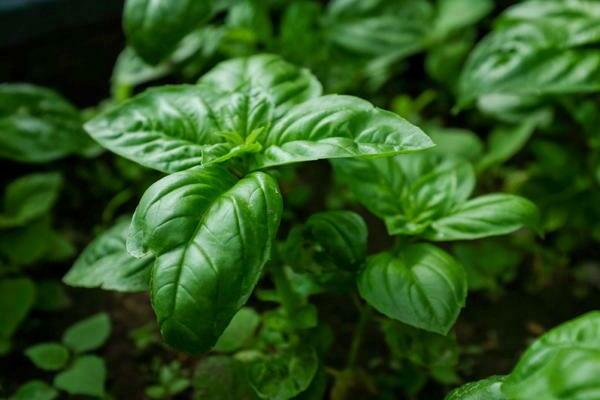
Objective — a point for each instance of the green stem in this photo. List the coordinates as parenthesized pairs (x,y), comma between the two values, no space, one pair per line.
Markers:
(289,298)
(357,338)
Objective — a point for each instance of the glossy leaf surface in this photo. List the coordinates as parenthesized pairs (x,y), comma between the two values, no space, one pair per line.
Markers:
(211,235)
(486,389)
(421,286)
(260,107)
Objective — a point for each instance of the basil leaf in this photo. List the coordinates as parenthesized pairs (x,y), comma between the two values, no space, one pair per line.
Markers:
(48,356)
(505,142)
(86,376)
(409,192)
(453,15)
(239,331)
(178,127)
(488,215)
(421,286)
(537,53)
(168,129)
(88,334)
(341,235)
(338,127)
(283,375)
(35,390)
(563,364)
(154,28)
(212,236)
(105,263)
(38,125)
(486,389)
(380,27)
(29,198)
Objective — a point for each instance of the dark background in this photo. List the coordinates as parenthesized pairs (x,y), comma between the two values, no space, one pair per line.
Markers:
(68,45)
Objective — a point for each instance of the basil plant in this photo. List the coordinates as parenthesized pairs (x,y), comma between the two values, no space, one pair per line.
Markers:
(206,230)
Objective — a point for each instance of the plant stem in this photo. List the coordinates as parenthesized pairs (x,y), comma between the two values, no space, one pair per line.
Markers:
(357,337)
(289,299)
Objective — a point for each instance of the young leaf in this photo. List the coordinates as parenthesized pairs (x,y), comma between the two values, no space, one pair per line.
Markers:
(536,53)
(342,236)
(421,286)
(283,375)
(488,215)
(48,356)
(212,236)
(105,263)
(154,28)
(17,297)
(35,390)
(86,376)
(239,331)
(410,191)
(29,198)
(486,389)
(88,334)
(174,128)
(562,364)
(38,125)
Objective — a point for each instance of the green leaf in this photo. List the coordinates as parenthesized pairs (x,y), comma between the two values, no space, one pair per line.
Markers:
(563,364)
(546,51)
(409,192)
(488,215)
(454,142)
(239,331)
(154,28)
(505,142)
(86,376)
(341,236)
(48,356)
(17,297)
(221,378)
(425,349)
(486,389)
(35,390)
(174,128)
(283,375)
(29,197)
(454,15)
(380,27)
(211,235)
(105,263)
(421,286)
(88,334)
(38,125)
(337,126)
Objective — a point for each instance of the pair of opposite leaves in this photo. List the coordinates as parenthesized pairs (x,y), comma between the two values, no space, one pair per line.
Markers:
(211,233)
